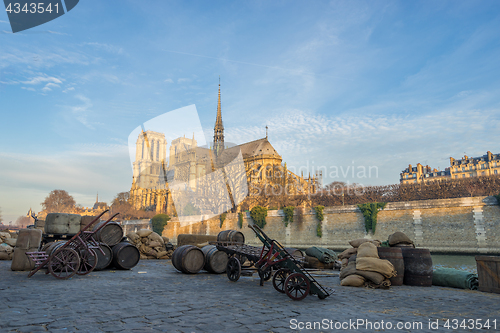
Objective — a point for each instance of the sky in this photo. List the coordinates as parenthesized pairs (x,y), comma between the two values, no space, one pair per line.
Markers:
(342,86)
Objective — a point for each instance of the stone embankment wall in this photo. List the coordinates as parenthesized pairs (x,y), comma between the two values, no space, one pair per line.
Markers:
(463,225)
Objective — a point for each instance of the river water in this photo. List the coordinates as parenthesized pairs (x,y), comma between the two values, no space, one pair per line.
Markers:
(461,262)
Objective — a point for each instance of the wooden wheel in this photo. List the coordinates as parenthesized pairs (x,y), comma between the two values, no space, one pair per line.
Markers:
(279,279)
(64,263)
(266,274)
(88,261)
(297,286)
(233,269)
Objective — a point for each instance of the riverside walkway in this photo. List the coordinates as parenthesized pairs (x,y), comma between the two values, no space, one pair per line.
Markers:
(154,297)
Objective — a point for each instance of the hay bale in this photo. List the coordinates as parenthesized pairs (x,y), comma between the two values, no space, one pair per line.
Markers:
(353,281)
(367,250)
(144,233)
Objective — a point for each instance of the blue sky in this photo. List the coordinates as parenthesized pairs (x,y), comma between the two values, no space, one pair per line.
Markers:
(340,84)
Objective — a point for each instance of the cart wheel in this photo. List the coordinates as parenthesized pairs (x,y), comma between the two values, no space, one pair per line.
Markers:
(88,261)
(266,274)
(297,286)
(64,263)
(279,279)
(233,269)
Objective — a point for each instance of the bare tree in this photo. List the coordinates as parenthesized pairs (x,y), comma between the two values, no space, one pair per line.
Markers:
(23,221)
(59,201)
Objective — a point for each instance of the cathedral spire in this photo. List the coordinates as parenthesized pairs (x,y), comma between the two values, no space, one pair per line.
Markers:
(218,129)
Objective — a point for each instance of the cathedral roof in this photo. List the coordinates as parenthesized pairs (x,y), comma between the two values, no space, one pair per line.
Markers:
(258,147)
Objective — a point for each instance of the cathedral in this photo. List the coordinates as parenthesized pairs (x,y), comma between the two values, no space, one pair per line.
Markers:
(195,180)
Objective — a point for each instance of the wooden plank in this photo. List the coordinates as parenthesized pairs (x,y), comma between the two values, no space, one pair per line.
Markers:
(488,270)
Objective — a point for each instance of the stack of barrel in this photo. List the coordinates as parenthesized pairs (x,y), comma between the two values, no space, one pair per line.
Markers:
(190,259)
(117,253)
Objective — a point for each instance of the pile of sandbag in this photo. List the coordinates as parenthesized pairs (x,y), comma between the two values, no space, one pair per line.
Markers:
(364,266)
(151,245)
(7,243)
(347,254)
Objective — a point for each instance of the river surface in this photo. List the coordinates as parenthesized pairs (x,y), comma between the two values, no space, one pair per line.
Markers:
(461,262)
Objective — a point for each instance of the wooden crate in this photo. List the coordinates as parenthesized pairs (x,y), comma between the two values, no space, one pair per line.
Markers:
(488,271)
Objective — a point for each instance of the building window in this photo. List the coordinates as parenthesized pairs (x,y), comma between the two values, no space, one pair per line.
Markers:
(483,166)
(496,172)
(470,168)
(406,176)
(463,168)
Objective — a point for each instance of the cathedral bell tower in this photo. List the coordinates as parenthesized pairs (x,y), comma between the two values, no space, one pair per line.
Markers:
(218,130)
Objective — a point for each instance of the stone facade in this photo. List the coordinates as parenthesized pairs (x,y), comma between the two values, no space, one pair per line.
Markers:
(464,225)
(207,172)
(466,167)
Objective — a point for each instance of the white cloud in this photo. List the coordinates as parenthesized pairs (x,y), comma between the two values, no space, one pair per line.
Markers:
(81,112)
(41,79)
(106,47)
(169,81)
(181,80)
(68,89)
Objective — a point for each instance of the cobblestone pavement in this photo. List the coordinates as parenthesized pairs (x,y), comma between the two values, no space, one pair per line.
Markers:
(154,297)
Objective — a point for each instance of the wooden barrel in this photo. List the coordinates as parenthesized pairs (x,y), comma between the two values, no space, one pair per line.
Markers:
(125,255)
(188,259)
(110,235)
(418,267)
(103,260)
(51,247)
(231,236)
(395,256)
(215,260)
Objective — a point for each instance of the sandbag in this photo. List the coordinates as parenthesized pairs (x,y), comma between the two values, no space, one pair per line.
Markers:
(357,242)
(385,284)
(345,262)
(144,232)
(374,277)
(399,237)
(161,254)
(21,261)
(367,250)
(202,244)
(313,262)
(348,253)
(133,237)
(381,266)
(165,239)
(29,239)
(4,235)
(350,269)
(5,256)
(6,248)
(155,244)
(352,258)
(154,237)
(353,281)
(454,278)
(11,241)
